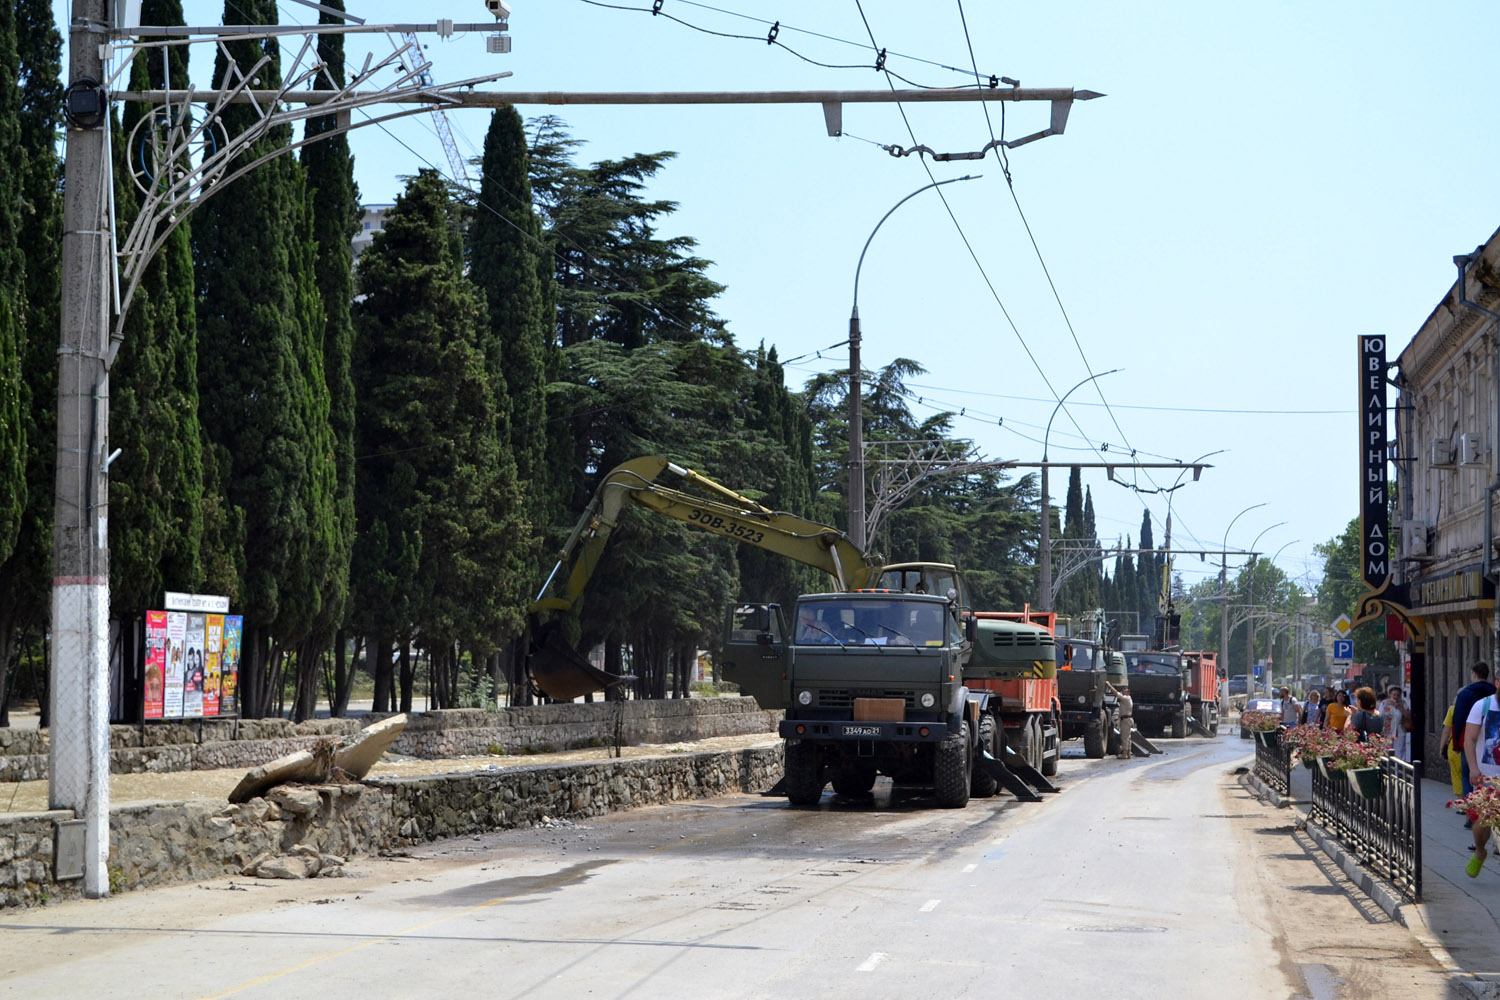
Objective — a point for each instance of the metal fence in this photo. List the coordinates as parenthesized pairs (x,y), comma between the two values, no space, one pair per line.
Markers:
(1383,832)
(1273,765)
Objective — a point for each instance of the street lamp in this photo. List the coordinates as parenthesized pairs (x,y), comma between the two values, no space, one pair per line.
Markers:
(856,416)
(1224,599)
(1250,599)
(1044,547)
(1273,559)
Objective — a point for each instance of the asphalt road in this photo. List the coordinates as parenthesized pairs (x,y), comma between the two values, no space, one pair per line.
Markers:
(1150,878)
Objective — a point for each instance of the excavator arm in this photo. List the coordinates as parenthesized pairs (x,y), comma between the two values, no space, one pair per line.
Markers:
(556,668)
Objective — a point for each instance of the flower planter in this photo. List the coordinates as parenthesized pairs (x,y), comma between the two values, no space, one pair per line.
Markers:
(1270,740)
(1309,762)
(1366,781)
(1324,768)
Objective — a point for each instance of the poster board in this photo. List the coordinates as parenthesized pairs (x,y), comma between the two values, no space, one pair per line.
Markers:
(191,663)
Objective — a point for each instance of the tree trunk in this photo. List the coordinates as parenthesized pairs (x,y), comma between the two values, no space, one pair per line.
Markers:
(383,669)
(408,675)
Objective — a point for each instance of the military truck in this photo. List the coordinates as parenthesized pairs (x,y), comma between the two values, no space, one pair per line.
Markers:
(1156,687)
(873,683)
(1013,675)
(1086,690)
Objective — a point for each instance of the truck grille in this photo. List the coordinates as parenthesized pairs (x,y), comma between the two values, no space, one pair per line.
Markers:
(844,698)
(1022,640)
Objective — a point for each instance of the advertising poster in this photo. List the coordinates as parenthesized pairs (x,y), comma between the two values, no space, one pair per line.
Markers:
(229,665)
(212,649)
(156,664)
(193,672)
(176,634)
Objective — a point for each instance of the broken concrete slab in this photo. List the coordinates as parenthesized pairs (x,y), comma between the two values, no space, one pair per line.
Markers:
(308,766)
(356,759)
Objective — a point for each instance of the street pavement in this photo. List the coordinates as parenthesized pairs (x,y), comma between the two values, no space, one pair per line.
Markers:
(1458,919)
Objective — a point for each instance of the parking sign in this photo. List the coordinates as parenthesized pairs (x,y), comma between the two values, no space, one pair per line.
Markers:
(1343,649)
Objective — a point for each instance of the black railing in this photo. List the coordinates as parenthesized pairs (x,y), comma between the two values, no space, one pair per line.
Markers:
(1385,831)
(1273,765)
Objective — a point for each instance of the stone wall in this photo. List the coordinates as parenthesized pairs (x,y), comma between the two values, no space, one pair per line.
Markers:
(168,843)
(191,746)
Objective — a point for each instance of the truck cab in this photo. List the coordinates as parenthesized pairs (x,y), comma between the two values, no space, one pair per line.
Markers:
(871,682)
(1156,687)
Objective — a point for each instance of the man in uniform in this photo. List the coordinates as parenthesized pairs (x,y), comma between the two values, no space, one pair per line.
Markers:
(1127,718)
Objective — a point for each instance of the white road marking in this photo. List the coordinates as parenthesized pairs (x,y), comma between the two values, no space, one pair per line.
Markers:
(870,963)
(969,868)
(929,906)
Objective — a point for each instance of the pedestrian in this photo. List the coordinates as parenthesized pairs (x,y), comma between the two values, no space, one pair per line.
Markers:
(1291,711)
(1366,720)
(1397,719)
(1463,703)
(1481,748)
(1312,709)
(1338,712)
(1450,747)
(1126,706)
(1329,697)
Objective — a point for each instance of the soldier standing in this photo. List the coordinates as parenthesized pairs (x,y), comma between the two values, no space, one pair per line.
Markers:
(1127,712)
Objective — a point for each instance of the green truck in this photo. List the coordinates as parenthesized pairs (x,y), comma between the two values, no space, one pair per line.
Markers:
(1156,686)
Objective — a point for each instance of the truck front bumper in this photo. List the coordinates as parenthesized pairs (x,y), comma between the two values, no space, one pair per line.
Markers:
(872,732)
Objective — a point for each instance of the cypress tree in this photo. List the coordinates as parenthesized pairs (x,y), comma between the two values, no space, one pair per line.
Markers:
(431,479)
(25,574)
(335,219)
(260,373)
(13,400)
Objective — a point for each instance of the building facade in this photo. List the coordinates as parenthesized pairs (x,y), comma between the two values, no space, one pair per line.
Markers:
(1443,525)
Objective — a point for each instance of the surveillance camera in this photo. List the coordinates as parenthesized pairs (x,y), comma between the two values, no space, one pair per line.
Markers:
(499,8)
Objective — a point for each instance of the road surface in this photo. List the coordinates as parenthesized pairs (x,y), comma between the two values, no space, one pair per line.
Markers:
(1149,878)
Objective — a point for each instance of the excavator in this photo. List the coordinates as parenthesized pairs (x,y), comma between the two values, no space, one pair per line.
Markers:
(561,673)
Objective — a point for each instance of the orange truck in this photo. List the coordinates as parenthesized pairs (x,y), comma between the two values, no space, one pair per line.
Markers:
(1013,668)
(1201,688)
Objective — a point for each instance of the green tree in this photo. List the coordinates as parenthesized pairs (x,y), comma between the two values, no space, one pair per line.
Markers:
(432,489)
(25,574)
(1340,590)
(13,398)
(264,396)
(335,212)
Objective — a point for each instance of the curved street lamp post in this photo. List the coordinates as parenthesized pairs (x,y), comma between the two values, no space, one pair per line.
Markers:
(1224,599)
(1250,599)
(856,415)
(1044,545)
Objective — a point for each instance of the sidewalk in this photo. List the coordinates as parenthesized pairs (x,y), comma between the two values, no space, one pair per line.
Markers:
(1458,919)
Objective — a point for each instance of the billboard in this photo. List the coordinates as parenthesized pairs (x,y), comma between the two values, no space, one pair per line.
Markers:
(192,664)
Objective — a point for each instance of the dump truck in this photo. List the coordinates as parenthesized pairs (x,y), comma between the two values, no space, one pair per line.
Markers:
(1014,673)
(1201,688)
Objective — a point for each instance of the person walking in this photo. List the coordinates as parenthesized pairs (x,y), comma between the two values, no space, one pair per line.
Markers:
(1481,748)
(1338,712)
(1463,704)
(1291,709)
(1397,719)
(1366,720)
(1329,697)
(1312,709)
(1126,706)
(1451,749)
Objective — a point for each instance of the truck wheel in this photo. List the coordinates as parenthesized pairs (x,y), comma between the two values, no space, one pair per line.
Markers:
(1051,755)
(982,784)
(1020,741)
(950,777)
(854,777)
(1094,735)
(1213,719)
(1037,749)
(1112,734)
(1179,724)
(804,774)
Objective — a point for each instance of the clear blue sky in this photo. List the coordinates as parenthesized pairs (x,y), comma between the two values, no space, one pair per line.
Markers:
(1260,186)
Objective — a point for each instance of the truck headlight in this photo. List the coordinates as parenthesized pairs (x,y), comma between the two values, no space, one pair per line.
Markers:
(928,700)
(1083,699)
(804,697)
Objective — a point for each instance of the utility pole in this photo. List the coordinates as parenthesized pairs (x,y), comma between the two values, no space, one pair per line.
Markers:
(78,758)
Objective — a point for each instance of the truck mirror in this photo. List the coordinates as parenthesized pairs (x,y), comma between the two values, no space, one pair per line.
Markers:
(765,639)
(971,629)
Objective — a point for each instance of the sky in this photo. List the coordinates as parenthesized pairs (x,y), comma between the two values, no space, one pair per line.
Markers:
(1261,185)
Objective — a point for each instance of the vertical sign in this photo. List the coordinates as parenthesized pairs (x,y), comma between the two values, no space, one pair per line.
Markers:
(1374,519)
(229,665)
(194,674)
(176,663)
(156,664)
(212,648)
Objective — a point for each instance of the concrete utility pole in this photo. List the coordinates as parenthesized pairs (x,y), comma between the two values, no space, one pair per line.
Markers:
(1224,603)
(79,693)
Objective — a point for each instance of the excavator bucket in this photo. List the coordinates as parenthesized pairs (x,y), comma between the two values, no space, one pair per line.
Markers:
(559,671)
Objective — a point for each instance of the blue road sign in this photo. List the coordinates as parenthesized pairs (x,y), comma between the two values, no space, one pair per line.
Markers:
(1343,649)
(1257,671)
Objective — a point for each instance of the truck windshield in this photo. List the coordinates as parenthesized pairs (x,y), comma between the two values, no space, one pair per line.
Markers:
(1152,663)
(1072,655)
(870,623)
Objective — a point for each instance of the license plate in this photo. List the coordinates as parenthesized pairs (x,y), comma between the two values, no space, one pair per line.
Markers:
(861,730)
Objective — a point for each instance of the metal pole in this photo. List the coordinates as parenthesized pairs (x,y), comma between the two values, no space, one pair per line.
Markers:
(79,754)
(1224,601)
(856,414)
(1044,547)
(1250,611)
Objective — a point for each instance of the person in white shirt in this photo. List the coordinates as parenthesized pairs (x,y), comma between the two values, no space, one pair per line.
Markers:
(1291,709)
(1481,747)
